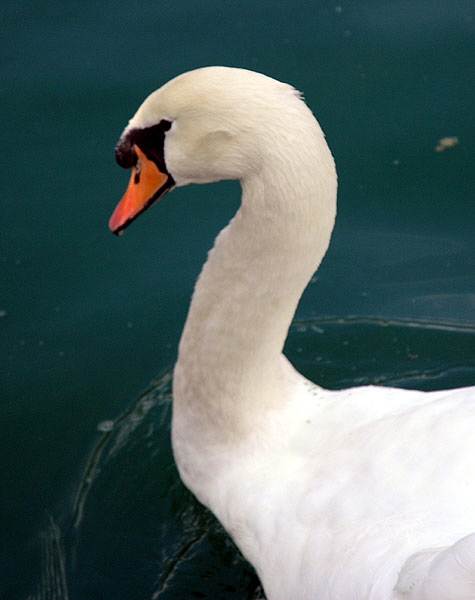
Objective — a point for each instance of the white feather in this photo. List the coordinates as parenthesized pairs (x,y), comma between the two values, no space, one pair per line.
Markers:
(365,493)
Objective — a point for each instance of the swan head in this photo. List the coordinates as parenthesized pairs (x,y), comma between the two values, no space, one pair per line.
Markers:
(205,125)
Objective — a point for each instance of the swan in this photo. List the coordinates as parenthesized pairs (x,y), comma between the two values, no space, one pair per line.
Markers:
(363,493)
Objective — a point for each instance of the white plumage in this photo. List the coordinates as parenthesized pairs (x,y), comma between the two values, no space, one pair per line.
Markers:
(365,493)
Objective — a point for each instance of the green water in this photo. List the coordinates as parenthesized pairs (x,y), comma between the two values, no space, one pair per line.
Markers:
(90,505)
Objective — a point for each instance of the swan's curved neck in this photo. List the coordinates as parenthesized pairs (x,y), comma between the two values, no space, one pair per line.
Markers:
(248,291)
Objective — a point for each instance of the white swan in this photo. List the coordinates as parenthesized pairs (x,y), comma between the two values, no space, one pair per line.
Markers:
(365,493)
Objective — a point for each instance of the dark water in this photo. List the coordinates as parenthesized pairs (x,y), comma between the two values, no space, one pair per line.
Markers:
(91,506)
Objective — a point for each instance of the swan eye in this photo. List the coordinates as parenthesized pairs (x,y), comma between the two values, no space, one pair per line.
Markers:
(149,139)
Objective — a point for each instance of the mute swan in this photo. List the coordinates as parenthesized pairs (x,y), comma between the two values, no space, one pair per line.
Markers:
(364,493)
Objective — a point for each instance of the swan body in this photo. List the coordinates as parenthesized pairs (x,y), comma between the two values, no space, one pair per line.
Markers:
(365,493)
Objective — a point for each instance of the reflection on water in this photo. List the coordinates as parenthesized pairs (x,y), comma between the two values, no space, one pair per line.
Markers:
(408,353)
(168,546)
(151,538)
(53,582)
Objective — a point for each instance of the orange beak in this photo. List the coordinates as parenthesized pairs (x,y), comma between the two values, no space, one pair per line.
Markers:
(147,185)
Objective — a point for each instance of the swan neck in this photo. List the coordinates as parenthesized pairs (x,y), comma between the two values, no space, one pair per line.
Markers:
(231,349)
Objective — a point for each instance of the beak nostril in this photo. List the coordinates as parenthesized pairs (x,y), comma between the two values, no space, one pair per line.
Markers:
(137,173)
